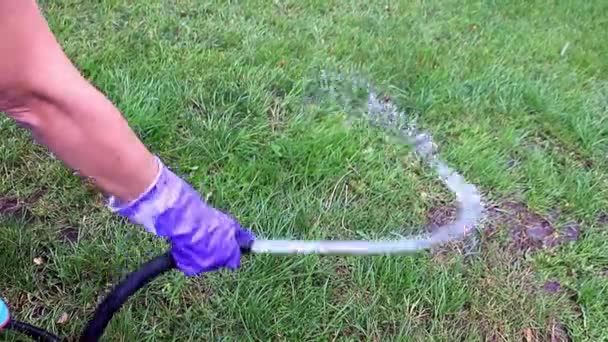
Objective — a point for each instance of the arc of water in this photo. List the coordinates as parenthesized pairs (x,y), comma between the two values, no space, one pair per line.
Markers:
(469,203)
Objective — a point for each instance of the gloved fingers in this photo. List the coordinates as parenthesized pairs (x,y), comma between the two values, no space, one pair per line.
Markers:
(205,256)
(244,238)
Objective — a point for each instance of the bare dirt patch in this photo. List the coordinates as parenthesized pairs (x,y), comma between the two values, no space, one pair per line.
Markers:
(68,233)
(10,205)
(529,231)
(504,283)
(602,219)
(17,206)
(440,215)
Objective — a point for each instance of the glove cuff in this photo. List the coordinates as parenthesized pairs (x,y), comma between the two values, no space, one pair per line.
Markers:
(161,196)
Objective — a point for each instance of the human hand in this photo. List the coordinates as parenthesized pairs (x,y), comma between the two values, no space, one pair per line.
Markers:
(203,239)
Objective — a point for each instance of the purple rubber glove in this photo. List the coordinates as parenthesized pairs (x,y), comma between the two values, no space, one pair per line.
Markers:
(203,239)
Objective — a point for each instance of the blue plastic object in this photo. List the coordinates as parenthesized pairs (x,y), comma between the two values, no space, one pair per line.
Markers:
(5,315)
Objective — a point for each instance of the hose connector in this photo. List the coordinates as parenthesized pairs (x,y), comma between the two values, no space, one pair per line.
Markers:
(5,315)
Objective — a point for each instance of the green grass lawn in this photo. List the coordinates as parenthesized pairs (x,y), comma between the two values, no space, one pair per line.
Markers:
(515,94)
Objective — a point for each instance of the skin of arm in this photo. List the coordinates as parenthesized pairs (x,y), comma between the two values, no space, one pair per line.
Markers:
(42,90)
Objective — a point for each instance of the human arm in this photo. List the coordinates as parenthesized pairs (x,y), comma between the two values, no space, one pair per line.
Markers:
(43,91)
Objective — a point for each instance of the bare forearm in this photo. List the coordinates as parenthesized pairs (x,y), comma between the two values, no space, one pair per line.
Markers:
(83,129)
(42,90)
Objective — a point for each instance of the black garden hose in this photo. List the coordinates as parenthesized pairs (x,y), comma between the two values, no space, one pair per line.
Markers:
(35,333)
(112,303)
(121,292)
(109,306)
